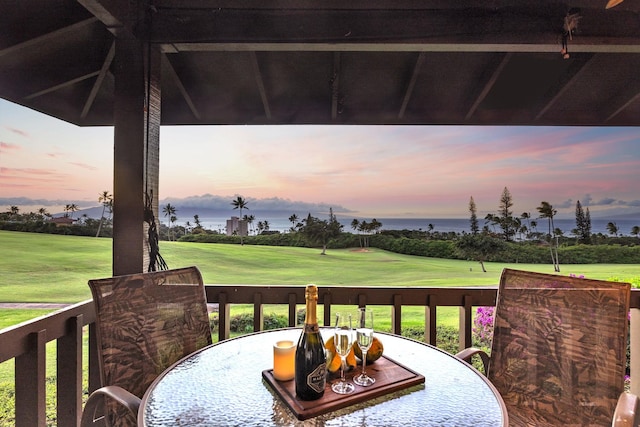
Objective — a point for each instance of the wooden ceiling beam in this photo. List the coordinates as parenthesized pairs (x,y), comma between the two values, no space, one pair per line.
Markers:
(183,91)
(335,87)
(563,89)
(62,85)
(409,90)
(45,38)
(288,46)
(112,13)
(624,106)
(365,4)
(98,83)
(488,85)
(260,83)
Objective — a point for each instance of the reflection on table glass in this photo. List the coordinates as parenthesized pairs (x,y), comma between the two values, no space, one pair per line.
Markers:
(222,385)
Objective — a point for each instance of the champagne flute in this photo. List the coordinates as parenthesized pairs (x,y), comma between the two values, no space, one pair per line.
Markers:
(364,334)
(343,340)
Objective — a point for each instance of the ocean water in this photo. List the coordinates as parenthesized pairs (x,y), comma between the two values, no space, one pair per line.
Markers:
(280,222)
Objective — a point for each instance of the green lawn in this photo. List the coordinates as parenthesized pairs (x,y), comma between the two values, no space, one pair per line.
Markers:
(51,268)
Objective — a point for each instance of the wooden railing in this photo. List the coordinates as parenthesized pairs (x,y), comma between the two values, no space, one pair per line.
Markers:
(27,341)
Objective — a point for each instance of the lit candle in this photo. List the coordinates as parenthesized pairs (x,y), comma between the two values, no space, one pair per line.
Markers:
(284,360)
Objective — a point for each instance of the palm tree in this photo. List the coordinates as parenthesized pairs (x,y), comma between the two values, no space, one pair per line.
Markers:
(43,213)
(546,210)
(105,198)
(240,203)
(635,231)
(526,216)
(170,211)
(491,219)
(249,219)
(293,219)
(173,219)
(13,211)
(357,225)
(613,228)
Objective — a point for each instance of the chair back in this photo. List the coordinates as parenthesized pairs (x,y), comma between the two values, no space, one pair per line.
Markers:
(558,354)
(627,412)
(145,323)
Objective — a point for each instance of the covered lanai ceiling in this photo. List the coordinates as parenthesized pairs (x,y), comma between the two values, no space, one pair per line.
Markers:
(457,62)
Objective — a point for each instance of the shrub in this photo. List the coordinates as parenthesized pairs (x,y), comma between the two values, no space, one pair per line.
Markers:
(482,330)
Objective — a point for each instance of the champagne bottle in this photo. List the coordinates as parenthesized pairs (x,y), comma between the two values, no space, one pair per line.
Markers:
(311,361)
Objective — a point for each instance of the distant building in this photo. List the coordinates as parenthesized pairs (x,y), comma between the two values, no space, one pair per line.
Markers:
(236,226)
(62,221)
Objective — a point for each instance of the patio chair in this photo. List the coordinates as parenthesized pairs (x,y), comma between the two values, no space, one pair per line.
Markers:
(627,412)
(145,323)
(558,353)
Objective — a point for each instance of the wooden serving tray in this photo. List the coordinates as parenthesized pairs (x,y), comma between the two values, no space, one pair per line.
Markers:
(390,376)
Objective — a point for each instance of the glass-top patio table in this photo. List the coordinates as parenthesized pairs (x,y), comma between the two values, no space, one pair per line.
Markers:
(222,385)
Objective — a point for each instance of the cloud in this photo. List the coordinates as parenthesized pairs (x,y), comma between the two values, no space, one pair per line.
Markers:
(216,202)
(586,200)
(566,204)
(17,131)
(605,202)
(5,147)
(27,201)
(84,166)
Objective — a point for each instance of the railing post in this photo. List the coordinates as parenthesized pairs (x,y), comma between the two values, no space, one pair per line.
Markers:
(69,374)
(362,300)
(293,313)
(396,316)
(258,318)
(95,381)
(30,383)
(327,309)
(224,314)
(430,321)
(634,343)
(465,323)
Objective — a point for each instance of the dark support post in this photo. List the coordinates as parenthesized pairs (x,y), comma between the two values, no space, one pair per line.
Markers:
(224,314)
(30,389)
(69,374)
(136,151)
(293,315)
(258,318)
(430,332)
(396,316)
(327,310)
(466,314)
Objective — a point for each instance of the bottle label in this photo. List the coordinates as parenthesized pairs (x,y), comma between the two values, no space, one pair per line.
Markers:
(316,380)
(311,328)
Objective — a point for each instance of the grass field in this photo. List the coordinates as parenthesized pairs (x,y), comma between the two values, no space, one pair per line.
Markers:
(52,268)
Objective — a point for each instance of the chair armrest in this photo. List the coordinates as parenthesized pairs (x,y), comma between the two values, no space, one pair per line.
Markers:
(130,401)
(468,353)
(626,413)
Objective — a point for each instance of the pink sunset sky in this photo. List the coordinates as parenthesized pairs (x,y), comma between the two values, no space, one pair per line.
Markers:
(372,171)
